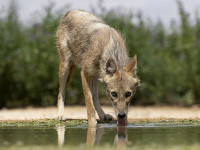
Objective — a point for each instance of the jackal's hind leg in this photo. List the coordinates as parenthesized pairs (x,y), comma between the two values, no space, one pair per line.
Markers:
(65,70)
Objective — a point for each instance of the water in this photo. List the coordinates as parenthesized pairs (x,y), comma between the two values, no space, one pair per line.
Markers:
(148,136)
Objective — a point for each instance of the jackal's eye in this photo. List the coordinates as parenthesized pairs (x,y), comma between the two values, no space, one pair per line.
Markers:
(128,94)
(114,94)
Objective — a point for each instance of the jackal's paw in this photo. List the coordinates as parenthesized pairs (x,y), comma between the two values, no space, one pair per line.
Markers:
(106,117)
(61,118)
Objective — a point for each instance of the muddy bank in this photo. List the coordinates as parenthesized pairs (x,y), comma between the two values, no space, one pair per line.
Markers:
(79,112)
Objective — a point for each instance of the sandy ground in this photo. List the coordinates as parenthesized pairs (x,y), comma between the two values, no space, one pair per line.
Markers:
(79,112)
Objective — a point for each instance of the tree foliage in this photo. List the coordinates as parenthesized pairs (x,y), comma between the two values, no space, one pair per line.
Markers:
(168,58)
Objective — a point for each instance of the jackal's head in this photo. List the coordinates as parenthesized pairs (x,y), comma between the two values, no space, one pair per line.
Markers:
(121,86)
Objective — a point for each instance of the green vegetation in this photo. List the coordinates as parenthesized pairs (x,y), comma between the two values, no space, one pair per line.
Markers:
(137,147)
(167,122)
(46,122)
(52,122)
(168,63)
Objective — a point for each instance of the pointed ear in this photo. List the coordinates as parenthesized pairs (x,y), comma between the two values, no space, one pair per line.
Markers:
(131,67)
(111,67)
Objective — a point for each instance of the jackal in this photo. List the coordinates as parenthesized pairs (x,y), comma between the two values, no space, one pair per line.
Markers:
(86,41)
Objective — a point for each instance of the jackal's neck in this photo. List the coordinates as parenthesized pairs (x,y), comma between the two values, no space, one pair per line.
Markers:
(116,50)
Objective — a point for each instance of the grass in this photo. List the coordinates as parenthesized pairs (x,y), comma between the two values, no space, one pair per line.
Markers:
(168,121)
(146,147)
(52,122)
(44,122)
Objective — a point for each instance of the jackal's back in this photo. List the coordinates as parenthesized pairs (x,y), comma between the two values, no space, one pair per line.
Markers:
(83,33)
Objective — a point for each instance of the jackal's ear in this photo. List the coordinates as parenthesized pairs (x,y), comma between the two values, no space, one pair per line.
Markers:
(131,67)
(111,66)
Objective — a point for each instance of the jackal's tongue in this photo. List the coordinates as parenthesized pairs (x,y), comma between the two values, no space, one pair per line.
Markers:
(121,122)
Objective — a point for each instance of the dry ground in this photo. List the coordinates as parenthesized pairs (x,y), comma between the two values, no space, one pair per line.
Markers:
(79,112)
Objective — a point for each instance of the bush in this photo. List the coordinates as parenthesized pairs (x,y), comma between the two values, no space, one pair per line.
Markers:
(168,63)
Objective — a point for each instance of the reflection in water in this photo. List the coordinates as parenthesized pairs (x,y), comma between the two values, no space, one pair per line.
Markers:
(94,136)
(61,135)
(121,139)
(91,136)
(99,134)
(139,136)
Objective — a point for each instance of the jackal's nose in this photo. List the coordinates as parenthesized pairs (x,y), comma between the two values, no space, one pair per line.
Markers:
(121,115)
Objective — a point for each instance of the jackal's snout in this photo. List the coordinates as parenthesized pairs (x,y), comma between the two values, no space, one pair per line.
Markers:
(122,119)
(121,115)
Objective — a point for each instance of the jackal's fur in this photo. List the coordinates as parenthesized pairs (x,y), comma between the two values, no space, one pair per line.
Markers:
(86,41)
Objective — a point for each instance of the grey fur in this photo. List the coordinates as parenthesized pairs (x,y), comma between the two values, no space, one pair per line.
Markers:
(86,41)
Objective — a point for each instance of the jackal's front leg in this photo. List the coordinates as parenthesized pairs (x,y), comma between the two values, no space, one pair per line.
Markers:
(86,80)
(94,89)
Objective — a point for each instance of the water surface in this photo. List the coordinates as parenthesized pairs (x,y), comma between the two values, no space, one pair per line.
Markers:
(105,135)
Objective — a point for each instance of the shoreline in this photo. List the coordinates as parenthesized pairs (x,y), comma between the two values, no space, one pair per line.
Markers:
(80,113)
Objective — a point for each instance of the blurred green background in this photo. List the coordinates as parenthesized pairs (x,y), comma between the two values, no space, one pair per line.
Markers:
(168,58)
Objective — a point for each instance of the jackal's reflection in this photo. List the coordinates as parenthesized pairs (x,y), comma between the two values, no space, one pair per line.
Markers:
(94,136)
(121,138)
(61,135)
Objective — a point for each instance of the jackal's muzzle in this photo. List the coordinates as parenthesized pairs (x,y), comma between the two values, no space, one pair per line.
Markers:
(121,119)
